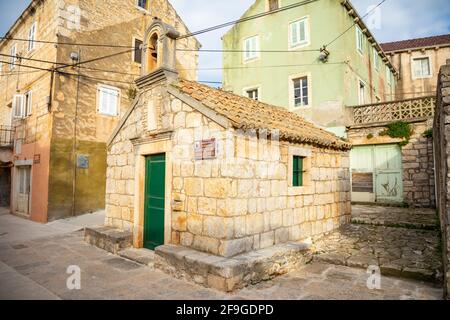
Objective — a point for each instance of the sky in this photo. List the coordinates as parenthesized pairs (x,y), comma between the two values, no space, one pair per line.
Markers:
(400,19)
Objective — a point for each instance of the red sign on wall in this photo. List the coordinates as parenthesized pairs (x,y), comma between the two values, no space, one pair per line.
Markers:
(205,149)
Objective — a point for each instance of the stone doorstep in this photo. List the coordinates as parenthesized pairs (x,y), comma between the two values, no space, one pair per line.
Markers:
(400,224)
(229,274)
(109,239)
(142,256)
(393,270)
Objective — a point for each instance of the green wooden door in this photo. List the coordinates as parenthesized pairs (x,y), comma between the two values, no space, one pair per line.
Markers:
(388,173)
(155,174)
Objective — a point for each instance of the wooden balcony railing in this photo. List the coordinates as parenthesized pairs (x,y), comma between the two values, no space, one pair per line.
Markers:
(411,109)
(6,136)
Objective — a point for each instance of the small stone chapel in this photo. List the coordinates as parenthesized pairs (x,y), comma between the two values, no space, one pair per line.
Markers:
(225,189)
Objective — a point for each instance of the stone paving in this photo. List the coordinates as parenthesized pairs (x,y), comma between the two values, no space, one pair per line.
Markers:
(44,263)
(399,251)
(413,218)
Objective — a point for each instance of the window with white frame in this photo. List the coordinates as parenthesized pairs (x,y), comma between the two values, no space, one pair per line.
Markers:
(18,105)
(421,67)
(13,58)
(361,92)
(388,75)
(108,99)
(251,48)
(359,40)
(299,33)
(301,91)
(376,59)
(32,37)
(142,4)
(253,93)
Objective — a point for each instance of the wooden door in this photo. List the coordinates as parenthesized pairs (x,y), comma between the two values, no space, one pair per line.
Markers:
(154,201)
(388,173)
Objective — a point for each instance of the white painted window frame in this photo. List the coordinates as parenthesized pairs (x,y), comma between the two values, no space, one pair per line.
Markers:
(364,97)
(293,77)
(255,55)
(13,58)
(303,43)
(376,60)
(413,59)
(18,106)
(359,33)
(251,88)
(101,87)
(31,45)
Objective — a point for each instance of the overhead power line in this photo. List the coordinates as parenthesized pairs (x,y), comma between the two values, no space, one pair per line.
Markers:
(256,16)
(242,51)
(68,43)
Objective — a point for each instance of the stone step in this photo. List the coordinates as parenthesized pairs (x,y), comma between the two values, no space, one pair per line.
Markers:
(109,239)
(388,269)
(396,224)
(142,256)
(229,274)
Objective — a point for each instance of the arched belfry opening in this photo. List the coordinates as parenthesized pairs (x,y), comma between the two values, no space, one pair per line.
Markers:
(153,52)
(160,47)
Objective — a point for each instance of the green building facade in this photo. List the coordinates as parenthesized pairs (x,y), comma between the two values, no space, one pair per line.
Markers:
(276,59)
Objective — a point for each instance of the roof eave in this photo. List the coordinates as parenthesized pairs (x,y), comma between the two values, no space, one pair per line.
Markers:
(32,5)
(358,19)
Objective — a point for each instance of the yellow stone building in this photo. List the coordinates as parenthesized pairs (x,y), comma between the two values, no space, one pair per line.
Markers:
(63,115)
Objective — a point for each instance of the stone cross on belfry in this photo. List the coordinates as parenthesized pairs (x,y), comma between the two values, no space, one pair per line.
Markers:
(159,47)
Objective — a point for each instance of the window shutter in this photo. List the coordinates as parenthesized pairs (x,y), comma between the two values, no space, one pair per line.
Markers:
(302,30)
(28,103)
(18,105)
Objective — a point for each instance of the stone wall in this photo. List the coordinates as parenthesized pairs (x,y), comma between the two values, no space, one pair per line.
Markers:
(417,160)
(239,202)
(442,150)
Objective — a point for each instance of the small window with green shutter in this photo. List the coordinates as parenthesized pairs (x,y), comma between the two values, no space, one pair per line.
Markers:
(297,173)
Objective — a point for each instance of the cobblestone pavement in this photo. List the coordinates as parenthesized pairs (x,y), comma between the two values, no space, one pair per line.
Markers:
(396,217)
(42,264)
(399,251)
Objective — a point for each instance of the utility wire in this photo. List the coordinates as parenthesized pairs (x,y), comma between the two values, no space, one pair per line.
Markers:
(242,51)
(69,43)
(349,28)
(256,16)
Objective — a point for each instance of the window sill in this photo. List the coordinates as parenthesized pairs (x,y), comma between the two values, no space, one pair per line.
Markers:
(246,61)
(299,46)
(107,115)
(422,77)
(145,11)
(296,191)
(294,108)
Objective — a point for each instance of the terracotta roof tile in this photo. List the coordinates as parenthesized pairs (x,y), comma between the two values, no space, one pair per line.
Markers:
(416,43)
(245,113)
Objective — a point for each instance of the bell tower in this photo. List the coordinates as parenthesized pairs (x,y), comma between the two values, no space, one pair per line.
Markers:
(159,50)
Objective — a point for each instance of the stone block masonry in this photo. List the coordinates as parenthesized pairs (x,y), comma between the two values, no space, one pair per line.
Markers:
(228,207)
(441,136)
(417,160)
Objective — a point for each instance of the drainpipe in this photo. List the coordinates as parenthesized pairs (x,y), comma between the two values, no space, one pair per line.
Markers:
(74,145)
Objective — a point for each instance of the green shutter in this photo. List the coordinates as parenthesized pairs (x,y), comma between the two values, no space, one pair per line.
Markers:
(297,173)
